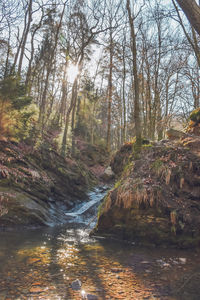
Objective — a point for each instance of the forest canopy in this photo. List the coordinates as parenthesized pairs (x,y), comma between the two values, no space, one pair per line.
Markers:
(98,71)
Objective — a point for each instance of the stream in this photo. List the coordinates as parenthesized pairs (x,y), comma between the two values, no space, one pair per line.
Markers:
(44,263)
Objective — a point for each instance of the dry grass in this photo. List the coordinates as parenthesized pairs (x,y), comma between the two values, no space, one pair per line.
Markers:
(173,216)
(168,176)
(132,194)
(108,202)
(182,180)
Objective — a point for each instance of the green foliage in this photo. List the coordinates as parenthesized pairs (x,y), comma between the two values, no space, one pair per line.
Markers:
(11,88)
(17,113)
(87,120)
(25,122)
(21,102)
(146,146)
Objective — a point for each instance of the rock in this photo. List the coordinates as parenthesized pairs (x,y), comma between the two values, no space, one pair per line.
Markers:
(116,270)
(195,115)
(182,260)
(156,200)
(194,124)
(121,157)
(3,295)
(36,290)
(37,283)
(174,134)
(31,180)
(166,265)
(91,297)
(76,285)
(108,174)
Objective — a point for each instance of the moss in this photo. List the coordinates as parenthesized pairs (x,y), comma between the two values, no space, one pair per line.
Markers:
(147,146)
(173,229)
(187,241)
(101,206)
(128,166)
(118,183)
(195,115)
(157,165)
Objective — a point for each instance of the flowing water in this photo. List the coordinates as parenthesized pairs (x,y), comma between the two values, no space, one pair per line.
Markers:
(43,263)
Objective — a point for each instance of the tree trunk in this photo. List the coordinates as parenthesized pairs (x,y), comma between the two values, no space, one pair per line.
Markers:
(64,92)
(28,82)
(24,38)
(6,71)
(135,75)
(193,42)
(73,121)
(108,139)
(123,97)
(192,12)
(72,103)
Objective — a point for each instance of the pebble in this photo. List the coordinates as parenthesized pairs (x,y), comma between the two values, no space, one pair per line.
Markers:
(148,271)
(116,270)
(36,290)
(36,283)
(182,260)
(166,265)
(144,262)
(91,297)
(3,295)
(76,285)
(98,290)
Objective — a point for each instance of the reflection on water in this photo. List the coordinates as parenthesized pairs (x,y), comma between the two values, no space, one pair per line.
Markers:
(42,264)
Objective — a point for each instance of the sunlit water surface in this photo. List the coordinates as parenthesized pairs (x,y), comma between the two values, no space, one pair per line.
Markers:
(42,264)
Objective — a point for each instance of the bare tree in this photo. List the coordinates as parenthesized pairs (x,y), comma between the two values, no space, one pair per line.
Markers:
(135,75)
(192,12)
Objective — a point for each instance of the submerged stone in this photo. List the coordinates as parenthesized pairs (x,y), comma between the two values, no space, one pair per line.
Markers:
(76,285)
(91,297)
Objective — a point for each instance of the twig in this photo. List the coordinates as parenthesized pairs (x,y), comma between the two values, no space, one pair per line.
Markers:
(183,285)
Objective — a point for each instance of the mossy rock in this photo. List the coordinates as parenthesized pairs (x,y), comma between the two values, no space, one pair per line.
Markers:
(156,199)
(195,115)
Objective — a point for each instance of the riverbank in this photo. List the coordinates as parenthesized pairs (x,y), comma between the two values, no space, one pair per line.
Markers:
(38,186)
(156,198)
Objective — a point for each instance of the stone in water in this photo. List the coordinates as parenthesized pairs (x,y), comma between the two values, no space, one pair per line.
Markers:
(91,297)
(76,285)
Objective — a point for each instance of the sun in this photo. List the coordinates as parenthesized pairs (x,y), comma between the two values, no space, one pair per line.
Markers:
(72,72)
